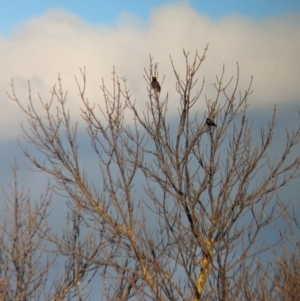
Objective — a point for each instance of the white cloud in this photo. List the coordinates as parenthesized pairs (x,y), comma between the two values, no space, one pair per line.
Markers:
(59,42)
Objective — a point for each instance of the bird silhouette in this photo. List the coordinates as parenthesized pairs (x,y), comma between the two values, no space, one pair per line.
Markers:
(155,85)
(210,122)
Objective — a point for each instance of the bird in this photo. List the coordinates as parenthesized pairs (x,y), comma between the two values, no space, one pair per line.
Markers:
(155,84)
(210,122)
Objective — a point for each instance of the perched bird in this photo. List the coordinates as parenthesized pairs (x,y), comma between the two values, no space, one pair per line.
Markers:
(155,85)
(210,122)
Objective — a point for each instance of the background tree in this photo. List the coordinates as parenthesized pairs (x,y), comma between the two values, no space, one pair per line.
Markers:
(25,265)
(286,268)
(178,209)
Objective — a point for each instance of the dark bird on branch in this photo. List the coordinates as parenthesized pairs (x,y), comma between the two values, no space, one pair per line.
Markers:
(210,122)
(155,85)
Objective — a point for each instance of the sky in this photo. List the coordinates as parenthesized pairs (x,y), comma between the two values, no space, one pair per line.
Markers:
(41,39)
(105,12)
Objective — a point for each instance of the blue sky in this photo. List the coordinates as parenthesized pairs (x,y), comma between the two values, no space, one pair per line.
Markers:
(105,12)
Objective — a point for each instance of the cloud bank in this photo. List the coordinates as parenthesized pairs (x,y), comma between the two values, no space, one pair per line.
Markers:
(59,42)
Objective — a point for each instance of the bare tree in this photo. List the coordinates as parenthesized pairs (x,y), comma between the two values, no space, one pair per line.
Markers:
(37,263)
(25,264)
(179,208)
(287,277)
(84,249)
(286,268)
